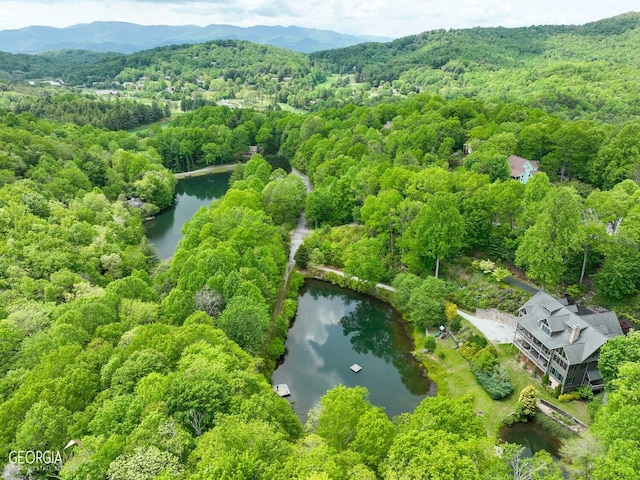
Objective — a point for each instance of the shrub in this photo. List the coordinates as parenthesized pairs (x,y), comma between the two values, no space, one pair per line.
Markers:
(545,380)
(478,340)
(450,311)
(496,383)
(500,273)
(469,351)
(593,406)
(567,397)
(485,360)
(456,324)
(585,393)
(557,390)
(430,343)
(528,401)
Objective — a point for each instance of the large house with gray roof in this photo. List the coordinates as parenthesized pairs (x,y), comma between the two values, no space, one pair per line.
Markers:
(561,340)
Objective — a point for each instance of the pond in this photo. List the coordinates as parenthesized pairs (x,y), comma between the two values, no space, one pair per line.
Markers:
(531,436)
(165,230)
(335,328)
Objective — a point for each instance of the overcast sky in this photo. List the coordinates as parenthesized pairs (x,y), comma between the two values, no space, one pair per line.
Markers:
(391,18)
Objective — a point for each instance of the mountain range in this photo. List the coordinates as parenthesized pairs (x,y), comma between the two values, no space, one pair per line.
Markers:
(125,37)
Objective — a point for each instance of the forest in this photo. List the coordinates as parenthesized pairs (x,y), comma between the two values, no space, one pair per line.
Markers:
(577,72)
(162,369)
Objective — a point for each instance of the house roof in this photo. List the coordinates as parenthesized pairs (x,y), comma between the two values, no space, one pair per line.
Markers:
(594,329)
(517,165)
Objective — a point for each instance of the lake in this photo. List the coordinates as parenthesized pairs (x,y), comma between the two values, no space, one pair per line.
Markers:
(165,230)
(335,328)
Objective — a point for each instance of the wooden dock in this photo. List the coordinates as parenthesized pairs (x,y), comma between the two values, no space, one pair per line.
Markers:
(282,389)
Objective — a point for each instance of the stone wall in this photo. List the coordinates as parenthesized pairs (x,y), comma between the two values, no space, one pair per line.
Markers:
(497,315)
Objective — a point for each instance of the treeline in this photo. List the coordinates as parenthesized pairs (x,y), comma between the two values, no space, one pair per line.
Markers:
(578,71)
(398,169)
(216,135)
(117,114)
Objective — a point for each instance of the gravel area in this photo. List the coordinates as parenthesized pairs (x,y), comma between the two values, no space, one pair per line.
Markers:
(495,331)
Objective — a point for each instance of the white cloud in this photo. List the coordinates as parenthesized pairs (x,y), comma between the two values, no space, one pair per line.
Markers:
(375,17)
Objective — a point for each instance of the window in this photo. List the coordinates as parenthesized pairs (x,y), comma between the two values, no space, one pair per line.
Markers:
(545,328)
(560,361)
(572,368)
(556,374)
(570,380)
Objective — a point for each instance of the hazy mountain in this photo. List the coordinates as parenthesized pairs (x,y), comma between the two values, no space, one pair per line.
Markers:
(130,37)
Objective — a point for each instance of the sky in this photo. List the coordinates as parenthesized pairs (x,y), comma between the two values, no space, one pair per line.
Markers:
(389,18)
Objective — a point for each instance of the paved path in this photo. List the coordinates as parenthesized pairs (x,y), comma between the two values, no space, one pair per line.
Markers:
(514,282)
(297,238)
(342,274)
(228,167)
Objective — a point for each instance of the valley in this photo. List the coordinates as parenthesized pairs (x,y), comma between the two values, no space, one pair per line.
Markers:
(160,358)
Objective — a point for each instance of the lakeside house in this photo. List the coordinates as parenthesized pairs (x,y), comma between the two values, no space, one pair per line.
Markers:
(563,341)
(522,169)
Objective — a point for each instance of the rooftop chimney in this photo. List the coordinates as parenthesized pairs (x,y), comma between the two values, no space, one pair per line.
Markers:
(575,333)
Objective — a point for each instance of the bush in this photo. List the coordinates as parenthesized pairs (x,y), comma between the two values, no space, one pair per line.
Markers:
(593,406)
(496,383)
(469,351)
(456,324)
(585,393)
(485,360)
(567,397)
(478,340)
(430,343)
(557,390)
(528,402)
(545,380)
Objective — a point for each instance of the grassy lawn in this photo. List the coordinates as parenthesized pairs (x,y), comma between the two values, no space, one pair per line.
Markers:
(288,108)
(453,376)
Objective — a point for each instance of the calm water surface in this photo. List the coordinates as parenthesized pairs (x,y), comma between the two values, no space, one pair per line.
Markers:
(335,328)
(533,437)
(165,230)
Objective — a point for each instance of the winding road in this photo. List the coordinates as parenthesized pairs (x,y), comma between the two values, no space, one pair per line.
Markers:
(495,331)
(297,238)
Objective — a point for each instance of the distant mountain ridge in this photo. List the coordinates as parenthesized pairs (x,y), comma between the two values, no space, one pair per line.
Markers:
(125,37)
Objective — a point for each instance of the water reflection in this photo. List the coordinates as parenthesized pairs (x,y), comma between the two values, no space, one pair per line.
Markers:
(335,328)
(165,230)
(532,437)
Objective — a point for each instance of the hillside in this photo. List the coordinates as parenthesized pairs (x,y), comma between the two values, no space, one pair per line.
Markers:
(129,37)
(587,70)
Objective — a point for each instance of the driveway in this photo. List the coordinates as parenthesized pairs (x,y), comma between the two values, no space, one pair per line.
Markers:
(496,331)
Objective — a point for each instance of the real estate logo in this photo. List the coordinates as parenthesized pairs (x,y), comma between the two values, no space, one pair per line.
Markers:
(42,458)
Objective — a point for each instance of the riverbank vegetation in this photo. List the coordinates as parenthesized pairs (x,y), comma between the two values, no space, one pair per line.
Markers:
(159,369)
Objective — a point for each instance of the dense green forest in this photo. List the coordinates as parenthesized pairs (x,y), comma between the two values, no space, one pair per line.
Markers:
(161,370)
(578,71)
(586,71)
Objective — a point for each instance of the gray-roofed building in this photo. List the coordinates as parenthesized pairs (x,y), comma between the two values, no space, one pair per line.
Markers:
(553,338)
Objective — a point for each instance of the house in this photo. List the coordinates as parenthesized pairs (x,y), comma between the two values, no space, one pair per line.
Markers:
(522,169)
(253,149)
(135,202)
(563,341)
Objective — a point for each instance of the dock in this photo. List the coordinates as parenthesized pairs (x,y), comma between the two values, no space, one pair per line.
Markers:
(282,389)
(355,368)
